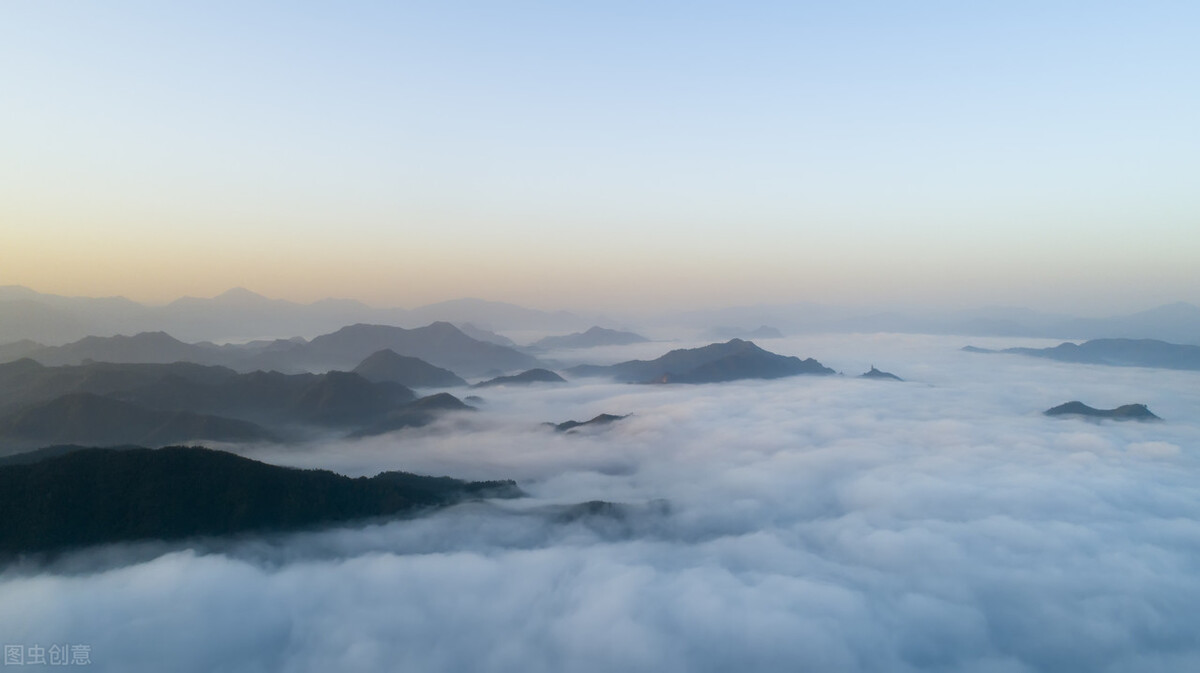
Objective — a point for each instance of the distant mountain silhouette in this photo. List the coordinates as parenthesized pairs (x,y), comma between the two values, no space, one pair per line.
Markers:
(1127,412)
(495,315)
(1175,323)
(725,333)
(415,414)
(488,336)
(440,344)
(98,496)
(876,374)
(601,420)
(19,349)
(52,319)
(387,365)
(729,361)
(595,336)
(146,347)
(1116,352)
(524,378)
(240,314)
(92,419)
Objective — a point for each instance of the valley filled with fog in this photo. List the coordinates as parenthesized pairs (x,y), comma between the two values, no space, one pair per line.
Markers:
(824,523)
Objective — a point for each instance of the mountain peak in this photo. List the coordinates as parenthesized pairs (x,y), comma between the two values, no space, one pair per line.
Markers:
(1137,412)
(240,294)
(443,327)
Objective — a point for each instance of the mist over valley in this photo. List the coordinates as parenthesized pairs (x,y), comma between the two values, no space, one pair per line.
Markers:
(845,522)
(653,337)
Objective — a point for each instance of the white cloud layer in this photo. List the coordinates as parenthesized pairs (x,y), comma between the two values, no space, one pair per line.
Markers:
(820,524)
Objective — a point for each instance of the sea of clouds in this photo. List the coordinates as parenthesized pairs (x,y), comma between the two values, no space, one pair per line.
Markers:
(803,524)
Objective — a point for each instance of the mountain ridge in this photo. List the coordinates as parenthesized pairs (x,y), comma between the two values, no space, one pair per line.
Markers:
(733,360)
(91,496)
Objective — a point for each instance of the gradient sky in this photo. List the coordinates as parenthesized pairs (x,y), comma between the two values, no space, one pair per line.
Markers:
(605,154)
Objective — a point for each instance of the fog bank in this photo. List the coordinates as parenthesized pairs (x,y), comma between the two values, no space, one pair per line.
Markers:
(812,523)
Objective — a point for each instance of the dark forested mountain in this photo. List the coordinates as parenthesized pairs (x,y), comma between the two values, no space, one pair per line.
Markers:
(415,414)
(387,365)
(524,378)
(729,361)
(1118,352)
(595,336)
(96,496)
(92,419)
(264,397)
(103,403)
(1127,412)
(25,382)
(347,399)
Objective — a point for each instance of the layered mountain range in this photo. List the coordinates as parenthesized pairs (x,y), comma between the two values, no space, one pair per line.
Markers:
(1114,352)
(240,314)
(117,403)
(154,402)
(440,344)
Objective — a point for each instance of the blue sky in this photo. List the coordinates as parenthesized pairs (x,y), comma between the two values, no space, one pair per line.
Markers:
(605,154)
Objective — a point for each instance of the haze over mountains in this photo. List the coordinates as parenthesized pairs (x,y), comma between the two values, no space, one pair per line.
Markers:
(1178,322)
(594,336)
(155,404)
(640,279)
(439,344)
(241,315)
(387,365)
(1115,352)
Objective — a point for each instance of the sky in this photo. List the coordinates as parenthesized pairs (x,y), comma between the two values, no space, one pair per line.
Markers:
(605,155)
(807,523)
